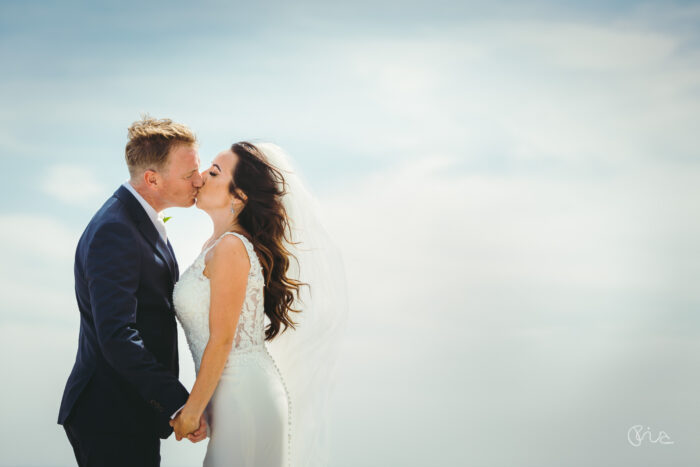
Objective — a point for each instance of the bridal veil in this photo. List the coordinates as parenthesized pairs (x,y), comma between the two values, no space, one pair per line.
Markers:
(307,356)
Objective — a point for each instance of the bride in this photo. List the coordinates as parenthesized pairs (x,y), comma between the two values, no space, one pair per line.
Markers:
(264,350)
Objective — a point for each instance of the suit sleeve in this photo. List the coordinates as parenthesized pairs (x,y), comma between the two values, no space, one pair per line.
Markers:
(112,269)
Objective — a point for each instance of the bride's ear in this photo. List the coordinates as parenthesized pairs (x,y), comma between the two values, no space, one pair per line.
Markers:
(234,202)
(242,196)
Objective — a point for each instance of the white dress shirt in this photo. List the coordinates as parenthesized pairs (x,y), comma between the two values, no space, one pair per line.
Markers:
(176,412)
(156,217)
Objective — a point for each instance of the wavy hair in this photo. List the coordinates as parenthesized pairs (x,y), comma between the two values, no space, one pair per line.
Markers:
(265,219)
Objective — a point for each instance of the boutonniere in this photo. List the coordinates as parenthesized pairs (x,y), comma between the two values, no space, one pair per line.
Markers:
(163,217)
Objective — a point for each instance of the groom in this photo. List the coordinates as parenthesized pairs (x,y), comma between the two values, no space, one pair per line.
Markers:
(124,388)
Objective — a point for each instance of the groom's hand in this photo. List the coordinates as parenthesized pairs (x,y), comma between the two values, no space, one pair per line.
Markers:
(184,424)
(200,433)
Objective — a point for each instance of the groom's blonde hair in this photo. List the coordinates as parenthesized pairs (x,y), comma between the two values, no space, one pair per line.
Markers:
(151,140)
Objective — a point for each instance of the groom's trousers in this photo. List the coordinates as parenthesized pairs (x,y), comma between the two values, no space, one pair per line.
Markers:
(112,449)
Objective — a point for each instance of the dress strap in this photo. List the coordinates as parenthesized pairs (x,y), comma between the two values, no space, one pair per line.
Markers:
(246,242)
(248,246)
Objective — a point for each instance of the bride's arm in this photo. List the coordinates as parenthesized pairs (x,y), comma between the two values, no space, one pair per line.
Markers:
(228,271)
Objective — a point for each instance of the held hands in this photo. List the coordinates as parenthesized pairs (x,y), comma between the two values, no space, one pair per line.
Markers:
(187,425)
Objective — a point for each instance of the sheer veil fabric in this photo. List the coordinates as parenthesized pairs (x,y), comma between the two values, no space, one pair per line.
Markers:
(307,356)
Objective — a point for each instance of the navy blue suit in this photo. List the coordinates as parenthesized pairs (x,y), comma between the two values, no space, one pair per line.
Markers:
(124,385)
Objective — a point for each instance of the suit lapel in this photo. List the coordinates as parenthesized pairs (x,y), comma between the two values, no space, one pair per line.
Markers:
(177,269)
(146,227)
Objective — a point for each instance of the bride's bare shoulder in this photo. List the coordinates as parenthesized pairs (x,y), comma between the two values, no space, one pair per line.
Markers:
(228,254)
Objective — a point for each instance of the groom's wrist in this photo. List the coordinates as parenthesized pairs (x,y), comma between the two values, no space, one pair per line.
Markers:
(177,412)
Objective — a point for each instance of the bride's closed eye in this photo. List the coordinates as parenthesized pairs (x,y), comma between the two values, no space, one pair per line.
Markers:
(212,173)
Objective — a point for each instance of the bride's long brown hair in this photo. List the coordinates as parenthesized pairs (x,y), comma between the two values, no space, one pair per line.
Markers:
(265,219)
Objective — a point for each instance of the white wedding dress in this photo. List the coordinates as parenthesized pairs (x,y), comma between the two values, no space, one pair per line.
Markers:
(249,415)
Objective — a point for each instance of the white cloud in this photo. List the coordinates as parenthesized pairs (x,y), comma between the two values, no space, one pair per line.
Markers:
(549,92)
(539,230)
(529,90)
(73,184)
(582,46)
(515,299)
(36,283)
(494,304)
(37,236)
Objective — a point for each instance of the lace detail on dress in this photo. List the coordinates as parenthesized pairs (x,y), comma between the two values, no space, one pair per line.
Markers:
(191,298)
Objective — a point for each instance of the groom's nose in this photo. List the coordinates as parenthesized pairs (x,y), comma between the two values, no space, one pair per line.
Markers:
(197,180)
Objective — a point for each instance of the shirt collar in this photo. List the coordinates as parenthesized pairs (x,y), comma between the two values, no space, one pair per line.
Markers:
(156,217)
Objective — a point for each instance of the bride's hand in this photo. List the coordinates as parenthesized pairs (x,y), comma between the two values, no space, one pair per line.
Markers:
(185,423)
(201,432)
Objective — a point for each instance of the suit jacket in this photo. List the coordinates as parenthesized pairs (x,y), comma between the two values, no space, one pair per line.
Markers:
(125,376)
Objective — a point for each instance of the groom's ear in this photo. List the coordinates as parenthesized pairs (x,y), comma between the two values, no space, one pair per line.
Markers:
(151,178)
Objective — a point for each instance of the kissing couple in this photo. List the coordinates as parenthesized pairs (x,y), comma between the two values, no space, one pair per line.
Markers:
(264,351)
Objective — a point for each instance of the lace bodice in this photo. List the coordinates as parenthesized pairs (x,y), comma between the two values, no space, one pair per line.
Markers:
(191,298)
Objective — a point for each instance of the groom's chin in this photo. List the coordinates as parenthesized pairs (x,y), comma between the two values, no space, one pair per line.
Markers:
(191,202)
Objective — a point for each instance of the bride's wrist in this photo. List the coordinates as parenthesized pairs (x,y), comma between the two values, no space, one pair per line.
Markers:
(189,412)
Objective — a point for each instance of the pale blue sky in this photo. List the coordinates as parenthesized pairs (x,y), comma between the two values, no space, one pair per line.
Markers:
(514,187)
